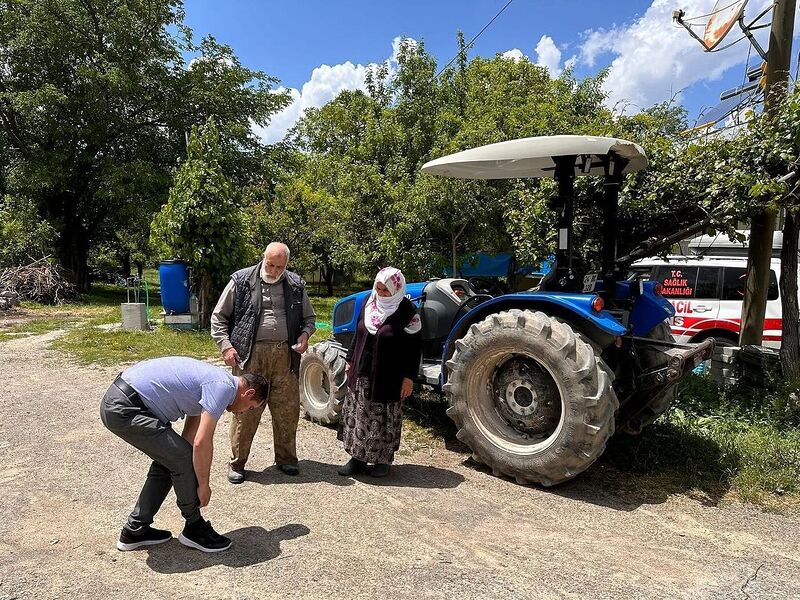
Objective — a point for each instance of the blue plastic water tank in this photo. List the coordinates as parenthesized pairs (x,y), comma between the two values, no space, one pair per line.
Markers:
(174,277)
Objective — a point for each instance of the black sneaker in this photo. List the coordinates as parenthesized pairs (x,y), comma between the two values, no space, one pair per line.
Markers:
(131,539)
(201,536)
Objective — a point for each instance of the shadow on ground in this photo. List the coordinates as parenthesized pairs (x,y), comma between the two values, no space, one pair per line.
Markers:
(663,461)
(311,471)
(251,546)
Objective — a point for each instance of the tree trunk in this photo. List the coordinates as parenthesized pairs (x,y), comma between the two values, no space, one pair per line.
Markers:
(759,254)
(205,301)
(125,260)
(327,274)
(454,238)
(139,268)
(790,344)
(779,58)
(73,254)
(72,247)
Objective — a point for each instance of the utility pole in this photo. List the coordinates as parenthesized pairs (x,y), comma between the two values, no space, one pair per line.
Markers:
(762,225)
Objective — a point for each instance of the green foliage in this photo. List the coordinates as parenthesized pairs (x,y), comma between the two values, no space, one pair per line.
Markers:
(366,149)
(742,441)
(95,103)
(24,236)
(778,405)
(304,218)
(201,222)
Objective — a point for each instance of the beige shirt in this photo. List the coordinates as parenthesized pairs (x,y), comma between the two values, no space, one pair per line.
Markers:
(272,324)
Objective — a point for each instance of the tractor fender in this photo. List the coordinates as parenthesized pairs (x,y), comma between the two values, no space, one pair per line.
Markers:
(576,309)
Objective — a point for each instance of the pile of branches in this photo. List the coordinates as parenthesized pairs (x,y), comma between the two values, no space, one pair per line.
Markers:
(40,281)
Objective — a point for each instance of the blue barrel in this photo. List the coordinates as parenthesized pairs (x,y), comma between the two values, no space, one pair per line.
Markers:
(174,276)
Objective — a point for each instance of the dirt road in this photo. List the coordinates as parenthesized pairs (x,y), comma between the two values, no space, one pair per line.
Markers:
(436,528)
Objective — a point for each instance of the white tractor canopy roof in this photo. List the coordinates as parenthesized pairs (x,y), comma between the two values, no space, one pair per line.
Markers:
(534,157)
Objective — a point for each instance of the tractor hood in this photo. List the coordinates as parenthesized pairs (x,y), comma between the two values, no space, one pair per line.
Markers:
(533,157)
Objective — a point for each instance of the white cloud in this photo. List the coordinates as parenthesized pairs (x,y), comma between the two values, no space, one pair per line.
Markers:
(654,60)
(548,55)
(325,84)
(514,54)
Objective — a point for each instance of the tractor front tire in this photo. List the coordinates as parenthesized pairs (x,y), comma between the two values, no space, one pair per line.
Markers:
(323,381)
(530,399)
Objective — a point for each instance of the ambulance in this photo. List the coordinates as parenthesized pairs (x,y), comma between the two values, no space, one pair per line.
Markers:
(707,290)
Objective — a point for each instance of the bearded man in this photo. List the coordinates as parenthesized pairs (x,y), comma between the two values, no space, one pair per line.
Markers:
(261,324)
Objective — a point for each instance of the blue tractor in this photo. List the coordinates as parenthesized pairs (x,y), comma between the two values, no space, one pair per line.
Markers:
(537,381)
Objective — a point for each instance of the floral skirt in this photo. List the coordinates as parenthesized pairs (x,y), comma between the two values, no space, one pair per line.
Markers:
(369,430)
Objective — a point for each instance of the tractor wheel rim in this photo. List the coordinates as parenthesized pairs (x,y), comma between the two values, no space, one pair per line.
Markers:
(535,414)
(316,386)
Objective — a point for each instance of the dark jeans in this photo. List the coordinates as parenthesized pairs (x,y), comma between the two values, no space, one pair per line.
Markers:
(172,465)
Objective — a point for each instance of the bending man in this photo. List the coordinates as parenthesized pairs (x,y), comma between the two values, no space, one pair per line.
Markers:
(140,407)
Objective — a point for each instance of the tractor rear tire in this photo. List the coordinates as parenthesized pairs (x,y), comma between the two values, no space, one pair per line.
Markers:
(323,381)
(662,400)
(530,399)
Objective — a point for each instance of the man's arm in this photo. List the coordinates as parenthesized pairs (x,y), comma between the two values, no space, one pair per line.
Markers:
(220,316)
(309,324)
(202,454)
(219,324)
(190,428)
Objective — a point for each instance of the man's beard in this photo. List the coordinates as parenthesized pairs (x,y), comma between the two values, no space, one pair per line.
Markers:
(269,279)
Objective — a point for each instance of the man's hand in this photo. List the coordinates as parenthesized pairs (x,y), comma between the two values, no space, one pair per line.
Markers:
(302,343)
(407,388)
(231,357)
(204,494)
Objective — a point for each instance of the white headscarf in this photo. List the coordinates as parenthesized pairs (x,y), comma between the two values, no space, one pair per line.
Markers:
(380,308)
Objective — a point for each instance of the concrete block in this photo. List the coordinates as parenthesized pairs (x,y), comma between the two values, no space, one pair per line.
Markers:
(182,321)
(134,316)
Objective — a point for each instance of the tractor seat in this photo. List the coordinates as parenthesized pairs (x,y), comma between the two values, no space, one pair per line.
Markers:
(443,298)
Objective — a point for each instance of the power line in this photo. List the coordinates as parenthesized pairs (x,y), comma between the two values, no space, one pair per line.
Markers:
(472,41)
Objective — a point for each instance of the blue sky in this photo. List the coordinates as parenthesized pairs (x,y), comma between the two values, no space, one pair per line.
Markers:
(318,48)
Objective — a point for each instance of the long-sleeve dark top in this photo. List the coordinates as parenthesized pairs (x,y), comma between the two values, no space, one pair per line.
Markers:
(388,356)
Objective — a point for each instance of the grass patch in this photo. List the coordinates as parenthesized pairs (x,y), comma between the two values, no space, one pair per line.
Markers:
(36,326)
(323,307)
(425,423)
(90,344)
(722,445)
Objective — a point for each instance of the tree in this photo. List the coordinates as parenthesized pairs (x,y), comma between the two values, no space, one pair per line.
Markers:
(95,104)
(201,222)
(366,149)
(308,219)
(24,237)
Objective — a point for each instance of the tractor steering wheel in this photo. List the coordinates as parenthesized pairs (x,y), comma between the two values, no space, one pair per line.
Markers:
(487,286)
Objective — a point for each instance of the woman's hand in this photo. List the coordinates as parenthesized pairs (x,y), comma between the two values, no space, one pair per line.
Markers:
(406,388)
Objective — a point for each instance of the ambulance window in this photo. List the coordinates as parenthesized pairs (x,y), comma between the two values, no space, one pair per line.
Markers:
(678,281)
(707,283)
(733,284)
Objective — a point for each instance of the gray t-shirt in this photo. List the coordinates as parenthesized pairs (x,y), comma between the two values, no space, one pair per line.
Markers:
(173,387)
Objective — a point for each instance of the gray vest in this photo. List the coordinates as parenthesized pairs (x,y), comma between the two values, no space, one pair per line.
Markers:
(243,323)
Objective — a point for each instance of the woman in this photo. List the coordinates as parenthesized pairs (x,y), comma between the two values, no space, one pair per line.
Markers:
(382,363)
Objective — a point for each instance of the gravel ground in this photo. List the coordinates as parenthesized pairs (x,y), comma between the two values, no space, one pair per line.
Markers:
(437,527)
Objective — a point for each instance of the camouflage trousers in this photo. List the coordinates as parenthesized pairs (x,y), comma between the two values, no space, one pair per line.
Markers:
(270,359)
